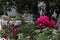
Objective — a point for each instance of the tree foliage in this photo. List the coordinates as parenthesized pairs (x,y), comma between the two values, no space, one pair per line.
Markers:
(25,5)
(1,6)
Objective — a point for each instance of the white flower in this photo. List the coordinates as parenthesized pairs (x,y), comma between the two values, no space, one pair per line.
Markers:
(3,39)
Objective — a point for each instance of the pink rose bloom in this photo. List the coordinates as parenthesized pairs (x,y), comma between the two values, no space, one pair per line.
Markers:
(40,26)
(52,24)
(38,21)
(14,32)
(46,22)
(44,17)
(12,25)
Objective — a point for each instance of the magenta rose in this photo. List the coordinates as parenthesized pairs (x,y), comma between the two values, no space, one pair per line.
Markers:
(46,22)
(40,26)
(44,17)
(12,26)
(52,24)
(14,32)
(38,21)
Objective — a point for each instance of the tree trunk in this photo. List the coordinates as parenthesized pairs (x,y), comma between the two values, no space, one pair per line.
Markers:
(5,7)
(48,9)
(35,10)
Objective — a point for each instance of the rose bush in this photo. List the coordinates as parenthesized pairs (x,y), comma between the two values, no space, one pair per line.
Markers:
(10,30)
(27,30)
(44,21)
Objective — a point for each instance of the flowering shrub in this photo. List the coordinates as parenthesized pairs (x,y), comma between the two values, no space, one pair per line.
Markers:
(13,30)
(44,21)
(9,18)
(27,30)
(10,30)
